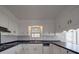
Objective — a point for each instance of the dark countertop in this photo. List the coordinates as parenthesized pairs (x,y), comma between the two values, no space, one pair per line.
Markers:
(8,45)
(4,46)
(66,45)
(69,46)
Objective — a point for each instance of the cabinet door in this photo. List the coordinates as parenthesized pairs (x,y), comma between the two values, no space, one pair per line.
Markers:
(56,49)
(32,48)
(19,49)
(51,49)
(9,51)
(3,20)
(26,48)
(35,48)
(46,49)
(70,52)
(63,51)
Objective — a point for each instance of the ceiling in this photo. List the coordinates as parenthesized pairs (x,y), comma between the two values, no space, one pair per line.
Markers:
(25,12)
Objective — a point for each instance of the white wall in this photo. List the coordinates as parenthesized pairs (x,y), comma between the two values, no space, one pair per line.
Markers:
(47,24)
(8,20)
(70,12)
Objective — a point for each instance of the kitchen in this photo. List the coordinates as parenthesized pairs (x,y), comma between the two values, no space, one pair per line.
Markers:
(39,29)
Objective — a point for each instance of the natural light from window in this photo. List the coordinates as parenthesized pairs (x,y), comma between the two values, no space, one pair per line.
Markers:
(71,35)
(35,31)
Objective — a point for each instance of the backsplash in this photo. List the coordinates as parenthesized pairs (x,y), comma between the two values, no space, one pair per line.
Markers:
(8,38)
(23,37)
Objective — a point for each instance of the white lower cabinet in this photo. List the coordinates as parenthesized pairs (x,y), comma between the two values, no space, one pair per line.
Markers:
(9,51)
(51,49)
(63,51)
(19,49)
(56,49)
(25,48)
(36,49)
(46,50)
(70,52)
(32,48)
(14,50)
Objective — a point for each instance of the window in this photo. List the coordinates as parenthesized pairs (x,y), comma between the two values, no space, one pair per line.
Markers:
(58,37)
(74,36)
(71,36)
(35,31)
(64,36)
(61,36)
(77,36)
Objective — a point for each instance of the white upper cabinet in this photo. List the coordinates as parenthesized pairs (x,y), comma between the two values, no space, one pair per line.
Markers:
(75,17)
(3,21)
(3,18)
(68,19)
(12,26)
(8,20)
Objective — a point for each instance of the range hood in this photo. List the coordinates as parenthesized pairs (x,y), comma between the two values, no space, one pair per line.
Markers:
(3,29)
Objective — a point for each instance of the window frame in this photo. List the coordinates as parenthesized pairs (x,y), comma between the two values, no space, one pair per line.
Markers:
(35,31)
